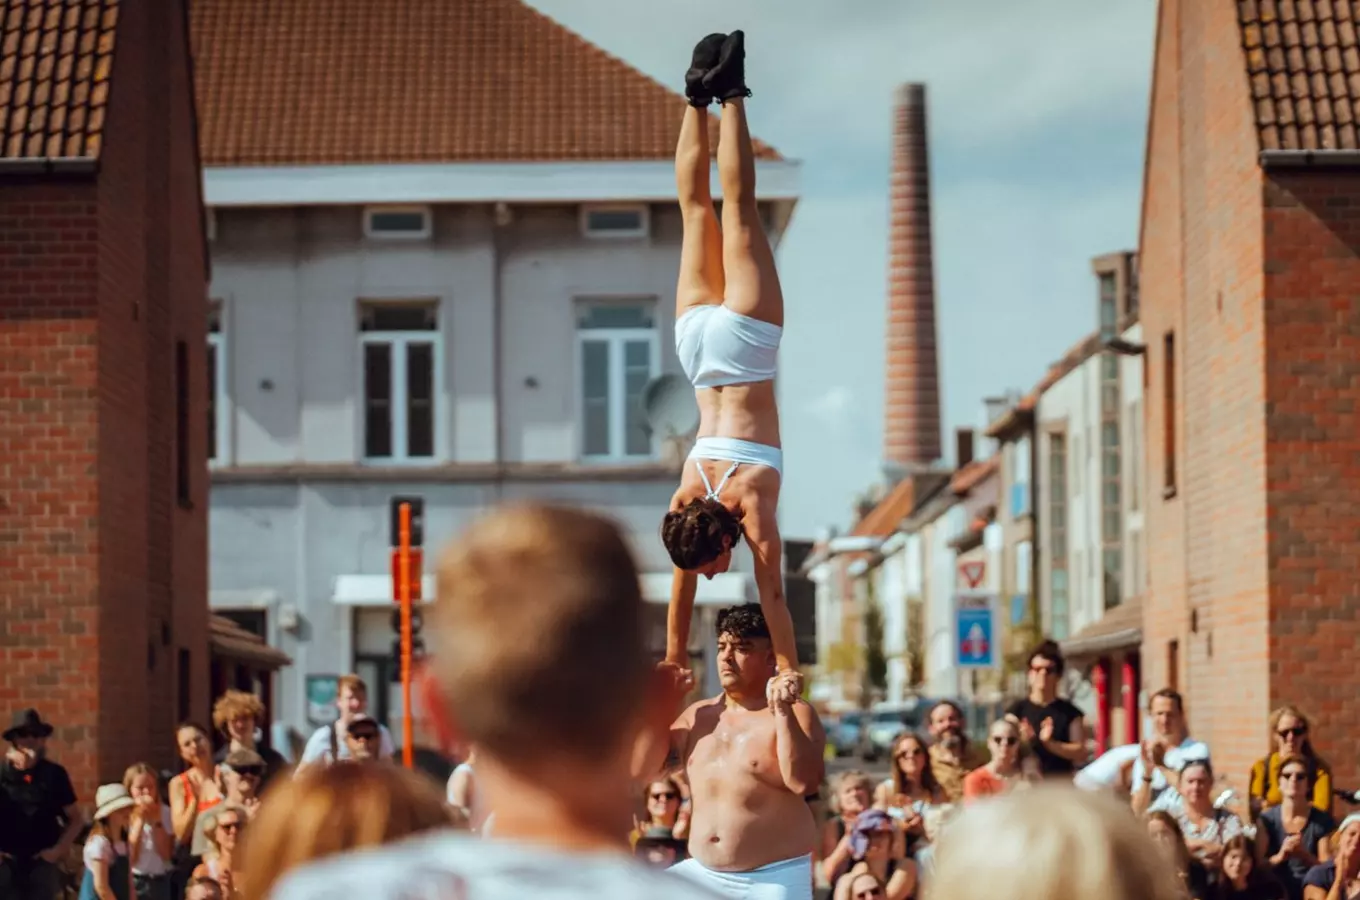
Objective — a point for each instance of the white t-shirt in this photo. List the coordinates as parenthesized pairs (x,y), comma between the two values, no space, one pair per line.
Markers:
(318,746)
(456,866)
(1176,757)
(149,862)
(1103,772)
(100,849)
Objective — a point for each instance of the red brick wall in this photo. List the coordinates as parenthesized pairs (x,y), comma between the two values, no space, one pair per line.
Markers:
(103,569)
(49,539)
(1312,381)
(1201,277)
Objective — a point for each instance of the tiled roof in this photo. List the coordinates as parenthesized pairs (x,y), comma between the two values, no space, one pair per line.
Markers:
(316,82)
(1303,61)
(1119,628)
(973,474)
(54,76)
(1077,354)
(884,518)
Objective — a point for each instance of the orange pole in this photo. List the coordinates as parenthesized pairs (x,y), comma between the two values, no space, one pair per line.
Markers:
(404,596)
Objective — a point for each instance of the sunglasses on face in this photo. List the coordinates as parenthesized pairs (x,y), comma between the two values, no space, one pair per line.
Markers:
(1004,740)
(1297,731)
(1042,670)
(232,827)
(910,754)
(1293,775)
(364,735)
(249,771)
(665,795)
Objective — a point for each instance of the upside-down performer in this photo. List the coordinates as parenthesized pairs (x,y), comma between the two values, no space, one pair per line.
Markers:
(729,320)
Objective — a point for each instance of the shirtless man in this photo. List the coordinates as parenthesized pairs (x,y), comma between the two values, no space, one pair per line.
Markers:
(729,320)
(750,760)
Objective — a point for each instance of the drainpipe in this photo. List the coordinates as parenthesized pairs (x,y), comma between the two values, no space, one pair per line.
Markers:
(501,218)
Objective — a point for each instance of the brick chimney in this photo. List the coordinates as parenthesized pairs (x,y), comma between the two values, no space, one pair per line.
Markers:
(911,432)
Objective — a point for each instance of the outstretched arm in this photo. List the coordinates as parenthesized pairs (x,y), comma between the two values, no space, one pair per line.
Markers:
(679,616)
(800,742)
(762,534)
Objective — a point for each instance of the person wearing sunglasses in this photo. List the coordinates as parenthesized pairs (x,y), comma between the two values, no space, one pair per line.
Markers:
(1294,836)
(363,739)
(240,776)
(1289,734)
(666,811)
(864,886)
(1003,772)
(223,828)
(1054,728)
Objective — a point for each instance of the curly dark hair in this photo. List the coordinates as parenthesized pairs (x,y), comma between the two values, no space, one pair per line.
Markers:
(1049,650)
(743,622)
(694,535)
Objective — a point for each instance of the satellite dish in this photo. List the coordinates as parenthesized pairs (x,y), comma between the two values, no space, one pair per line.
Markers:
(669,407)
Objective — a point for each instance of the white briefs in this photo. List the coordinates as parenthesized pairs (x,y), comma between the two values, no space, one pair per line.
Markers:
(787,880)
(718,347)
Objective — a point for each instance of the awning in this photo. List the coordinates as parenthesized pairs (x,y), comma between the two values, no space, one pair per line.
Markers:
(373,590)
(253,598)
(1120,628)
(228,640)
(726,589)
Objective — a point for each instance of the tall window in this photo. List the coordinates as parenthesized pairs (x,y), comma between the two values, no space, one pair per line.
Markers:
(402,362)
(1111,477)
(1135,444)
(217,388)
(1059,607)
(1169,414)
(1109,306)
(617,355)
(1020,466)
(183,482)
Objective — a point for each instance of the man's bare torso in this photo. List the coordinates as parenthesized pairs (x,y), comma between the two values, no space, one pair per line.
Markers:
(744,816)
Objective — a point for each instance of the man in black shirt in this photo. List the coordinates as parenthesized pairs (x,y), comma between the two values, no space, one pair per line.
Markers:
(1054,729)
(39,816)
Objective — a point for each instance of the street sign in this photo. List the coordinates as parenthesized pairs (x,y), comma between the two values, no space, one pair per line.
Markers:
(972,572)
(975,630)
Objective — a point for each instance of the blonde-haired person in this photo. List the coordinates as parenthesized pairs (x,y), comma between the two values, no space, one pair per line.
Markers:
(1052,841)
(107,874)
(238,715)
(151,842)
(1339,877)
(333,809)
(851,794)
(222,827)
(1289,734)
(327,743)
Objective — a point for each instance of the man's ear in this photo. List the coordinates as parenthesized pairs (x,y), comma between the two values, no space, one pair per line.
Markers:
(430,699)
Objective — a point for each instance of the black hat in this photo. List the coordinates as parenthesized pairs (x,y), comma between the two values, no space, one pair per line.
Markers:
(28,722)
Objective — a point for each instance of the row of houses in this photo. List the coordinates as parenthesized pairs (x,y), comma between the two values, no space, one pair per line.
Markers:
(1041,516)
(1176,501)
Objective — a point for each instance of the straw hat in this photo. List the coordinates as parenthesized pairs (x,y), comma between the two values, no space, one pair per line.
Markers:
(109,799)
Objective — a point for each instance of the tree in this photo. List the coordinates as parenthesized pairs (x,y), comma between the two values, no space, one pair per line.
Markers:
(875,663)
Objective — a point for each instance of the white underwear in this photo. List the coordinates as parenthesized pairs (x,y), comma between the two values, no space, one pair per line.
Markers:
(787,880)
(718,347)
(738,452)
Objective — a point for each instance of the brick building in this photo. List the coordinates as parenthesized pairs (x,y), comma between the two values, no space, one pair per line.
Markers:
(103,489)
(1251,312)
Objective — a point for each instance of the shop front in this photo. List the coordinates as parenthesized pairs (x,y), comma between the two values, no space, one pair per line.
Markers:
(1104,656)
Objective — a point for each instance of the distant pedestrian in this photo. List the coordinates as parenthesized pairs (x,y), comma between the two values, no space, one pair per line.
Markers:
(327,743)
(1003,772)
(151,842)
(108,875)
(1054,728)
(239,716)
(39,815)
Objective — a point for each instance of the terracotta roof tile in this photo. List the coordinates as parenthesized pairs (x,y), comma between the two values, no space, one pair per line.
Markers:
(884,518)
(55,58)
(1303,70)
(316,82)
(973,474)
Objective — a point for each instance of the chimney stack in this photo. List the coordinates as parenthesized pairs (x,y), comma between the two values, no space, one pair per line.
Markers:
(911,434)
(963,447)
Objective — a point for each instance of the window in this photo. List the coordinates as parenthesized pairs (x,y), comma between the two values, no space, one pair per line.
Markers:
(1020,466)
(210,224)
(1135,436)
(615,221)
(183,483)
(402,365)
(1076,466)
(397,222)
(1060,612)
(617,356)
(1109,306)
(185,677)
(1057,499)
(219,415)
(1169,415)
(1024,559)
(1136,562)
(1173,665)
(1113,565)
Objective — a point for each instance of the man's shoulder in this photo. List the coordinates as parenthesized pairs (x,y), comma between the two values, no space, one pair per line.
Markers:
(449,865)
(52,772)
(1068,708)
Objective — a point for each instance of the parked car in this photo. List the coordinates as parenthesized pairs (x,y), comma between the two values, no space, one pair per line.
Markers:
(845,734)
(888,720)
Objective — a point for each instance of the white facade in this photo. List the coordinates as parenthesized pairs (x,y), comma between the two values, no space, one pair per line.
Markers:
(472,354)
(941,565)
(898,581)
(1132,435)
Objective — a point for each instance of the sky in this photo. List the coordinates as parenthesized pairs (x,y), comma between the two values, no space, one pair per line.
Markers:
(1037,116)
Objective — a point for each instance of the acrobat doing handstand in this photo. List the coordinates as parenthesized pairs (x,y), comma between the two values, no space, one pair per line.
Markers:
(729,319)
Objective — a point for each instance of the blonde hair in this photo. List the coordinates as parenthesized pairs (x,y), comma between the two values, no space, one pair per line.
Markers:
(537,632)
(352,683)
(235,704)
(214,815)
(1070,842)
(138,769)
(331,810)
(838,783)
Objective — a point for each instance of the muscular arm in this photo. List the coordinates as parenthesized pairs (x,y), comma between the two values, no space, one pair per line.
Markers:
(679,616)
(762,534)
(800,744)
(655,756)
